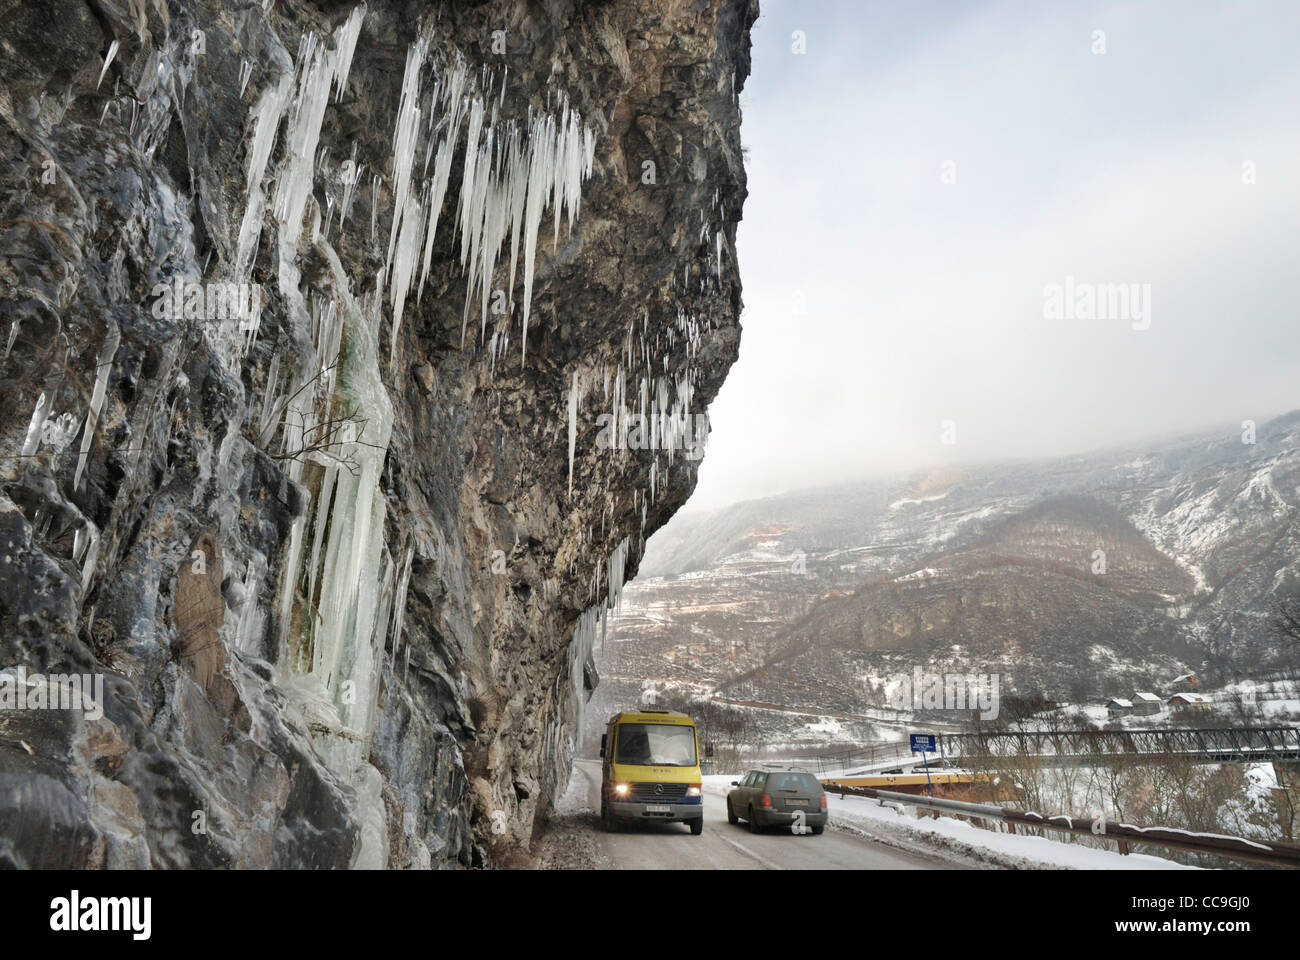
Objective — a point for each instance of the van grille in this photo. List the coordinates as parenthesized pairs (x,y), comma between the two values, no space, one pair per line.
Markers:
(650,792)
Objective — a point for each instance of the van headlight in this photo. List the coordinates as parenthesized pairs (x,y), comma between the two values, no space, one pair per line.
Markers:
(620,789)
(693,790)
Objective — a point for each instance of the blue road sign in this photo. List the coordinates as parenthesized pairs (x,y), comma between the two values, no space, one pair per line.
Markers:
(923,743)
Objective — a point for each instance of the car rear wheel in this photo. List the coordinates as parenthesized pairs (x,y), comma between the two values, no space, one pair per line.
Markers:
(817,831)
(731,814)
(753,823)
(697,826)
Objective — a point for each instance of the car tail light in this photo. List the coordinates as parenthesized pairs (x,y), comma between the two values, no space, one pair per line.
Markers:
(693,790)
(823,801)
(767,800)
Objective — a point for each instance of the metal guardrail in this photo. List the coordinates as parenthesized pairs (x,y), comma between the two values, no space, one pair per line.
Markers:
(1274,854)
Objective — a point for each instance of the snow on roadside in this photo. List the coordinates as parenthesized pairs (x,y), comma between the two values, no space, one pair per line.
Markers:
(964,842)
(569,842)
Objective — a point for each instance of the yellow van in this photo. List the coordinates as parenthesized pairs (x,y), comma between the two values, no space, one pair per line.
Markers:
(650,770)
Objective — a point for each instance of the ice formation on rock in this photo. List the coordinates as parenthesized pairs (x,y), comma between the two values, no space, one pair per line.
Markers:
(340,595)
(108,60)
(104,367)
(593,622)
(511,176)
(36,428)
(343,594)
(266,120)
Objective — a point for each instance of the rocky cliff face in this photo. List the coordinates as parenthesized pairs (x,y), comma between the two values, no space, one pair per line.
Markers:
(353,352)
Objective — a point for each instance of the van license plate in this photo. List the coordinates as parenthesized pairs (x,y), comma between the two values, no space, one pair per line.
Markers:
(658,808)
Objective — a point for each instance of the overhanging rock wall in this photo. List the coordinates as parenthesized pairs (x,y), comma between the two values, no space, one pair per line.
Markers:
(353,353)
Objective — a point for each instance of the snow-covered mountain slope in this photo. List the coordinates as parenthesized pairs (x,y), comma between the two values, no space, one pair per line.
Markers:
(1077,577)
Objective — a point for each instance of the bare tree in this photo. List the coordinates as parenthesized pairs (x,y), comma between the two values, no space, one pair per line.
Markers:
(333,438)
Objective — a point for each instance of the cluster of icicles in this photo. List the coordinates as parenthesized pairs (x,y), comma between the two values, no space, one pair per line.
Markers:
(512,174)
(593,623)
(666,421)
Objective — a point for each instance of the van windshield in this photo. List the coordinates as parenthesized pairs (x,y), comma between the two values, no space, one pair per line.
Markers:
(656,744)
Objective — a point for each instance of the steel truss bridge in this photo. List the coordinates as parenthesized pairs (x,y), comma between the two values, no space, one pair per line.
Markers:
(1199,745)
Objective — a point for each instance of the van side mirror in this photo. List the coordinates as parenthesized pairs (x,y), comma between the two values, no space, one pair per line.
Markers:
(603,738)
(708,748)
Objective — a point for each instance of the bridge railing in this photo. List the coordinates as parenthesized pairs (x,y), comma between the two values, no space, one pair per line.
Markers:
(1264,743)
(883,751)
(1213,745)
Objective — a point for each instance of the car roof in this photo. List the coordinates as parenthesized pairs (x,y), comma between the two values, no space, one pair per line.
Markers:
(807,773)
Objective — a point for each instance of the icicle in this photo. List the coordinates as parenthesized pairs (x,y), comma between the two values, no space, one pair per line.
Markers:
(108,59)
(406,209)
(374,211)
(350,181)
(345,44)
(573,426)
(399,604)
(303,132)
(266,117)
(617,564)
(250,616)
(270,410)
(92,556)
(105,366)
(537,174)
(32,442)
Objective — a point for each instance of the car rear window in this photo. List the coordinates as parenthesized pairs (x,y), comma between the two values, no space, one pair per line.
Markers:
(804,782)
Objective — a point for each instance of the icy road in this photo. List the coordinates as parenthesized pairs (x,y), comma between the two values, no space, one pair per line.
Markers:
(576,840)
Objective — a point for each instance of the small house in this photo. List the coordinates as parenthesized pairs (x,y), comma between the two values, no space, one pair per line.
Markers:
(1146,704)
(1117,707)
(1185,684)
(1189,703)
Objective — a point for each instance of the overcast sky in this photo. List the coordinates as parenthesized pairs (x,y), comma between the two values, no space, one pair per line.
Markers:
(923,301)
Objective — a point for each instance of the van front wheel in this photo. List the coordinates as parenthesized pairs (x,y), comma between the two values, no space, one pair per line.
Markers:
(697,826)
